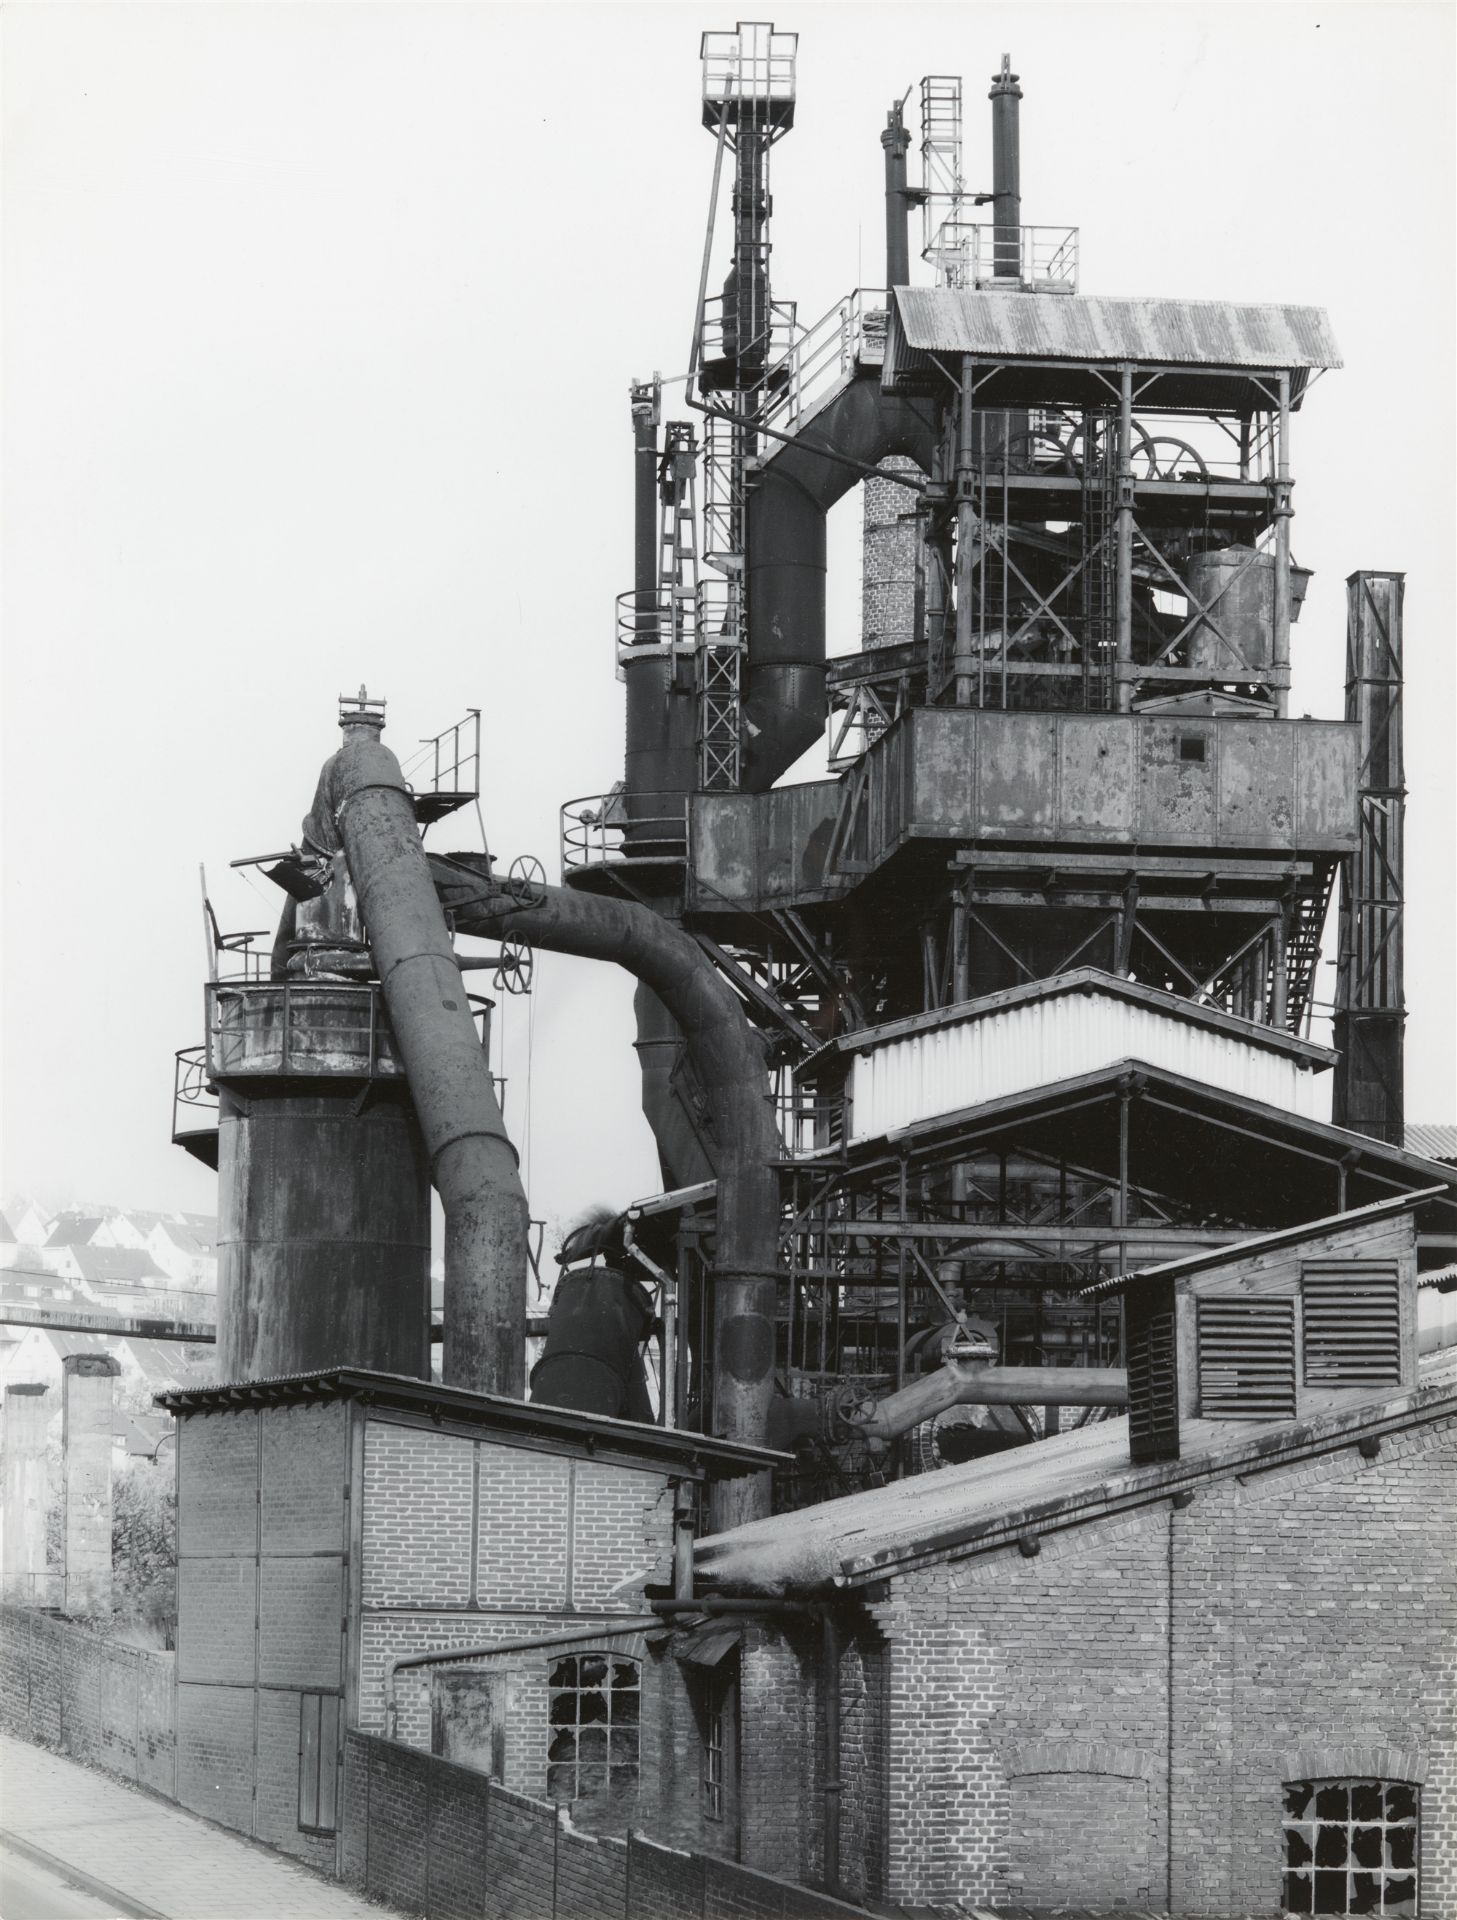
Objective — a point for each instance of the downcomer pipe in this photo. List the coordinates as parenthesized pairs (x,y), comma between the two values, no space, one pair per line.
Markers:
(784,682)
(364,805)
(730,1062)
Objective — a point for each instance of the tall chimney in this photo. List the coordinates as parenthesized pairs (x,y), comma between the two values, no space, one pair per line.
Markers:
(1006,99)
(86,1405)
(23,1543)
(896,142)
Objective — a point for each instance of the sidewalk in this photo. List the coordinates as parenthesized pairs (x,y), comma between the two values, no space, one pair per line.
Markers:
(154,1854)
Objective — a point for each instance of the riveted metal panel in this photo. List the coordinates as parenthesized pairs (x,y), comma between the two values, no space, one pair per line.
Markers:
(1176,792)
(724,837)
(945,770)
(1256,764)
(1018,769)
(1096,767)
(1327,809)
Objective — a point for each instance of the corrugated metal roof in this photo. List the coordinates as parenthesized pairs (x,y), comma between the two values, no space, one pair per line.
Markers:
(1260,1243)
(982,1503)
(1432,1142)
(1095,328)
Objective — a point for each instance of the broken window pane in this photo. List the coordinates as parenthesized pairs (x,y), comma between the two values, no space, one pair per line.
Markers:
(593,1710)
(1358,1854)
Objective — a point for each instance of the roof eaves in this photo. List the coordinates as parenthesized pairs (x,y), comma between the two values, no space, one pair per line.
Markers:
(703,1452)
(1238,1250)
(1255,1453)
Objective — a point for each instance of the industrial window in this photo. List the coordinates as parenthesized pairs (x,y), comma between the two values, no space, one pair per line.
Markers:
(318,1762)
(1191,746)
(1246,1359)
(713,1753)
(594,1712)
(1350,1847)
(1352,1315)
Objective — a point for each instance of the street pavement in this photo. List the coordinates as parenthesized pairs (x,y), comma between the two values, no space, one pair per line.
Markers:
(76,1844)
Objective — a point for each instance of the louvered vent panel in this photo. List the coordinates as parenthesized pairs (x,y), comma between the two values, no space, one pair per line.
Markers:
(1352,1326)
(1247,1359)
(1153,1387)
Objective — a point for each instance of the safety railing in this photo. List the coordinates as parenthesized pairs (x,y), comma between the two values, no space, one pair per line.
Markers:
(623,829)
(194,1096)
(770,335)
(449,762)
(238,958)
(978,255)
(752,65)
(823,355)
(662,622)
(808,1121)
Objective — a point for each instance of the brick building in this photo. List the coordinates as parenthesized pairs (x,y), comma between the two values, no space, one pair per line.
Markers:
(1214,1678)
(336,1532)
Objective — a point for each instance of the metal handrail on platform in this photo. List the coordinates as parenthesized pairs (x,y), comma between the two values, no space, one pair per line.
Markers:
(981,256)
(823,355)
(623,829)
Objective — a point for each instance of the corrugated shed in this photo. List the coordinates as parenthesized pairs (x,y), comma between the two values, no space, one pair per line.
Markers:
(1431,1141)
(988,1053)
(1095,328)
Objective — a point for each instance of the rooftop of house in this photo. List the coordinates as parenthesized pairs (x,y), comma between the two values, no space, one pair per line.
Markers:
(699,1454)
(116,1266)
(73,1229)
(990,1503)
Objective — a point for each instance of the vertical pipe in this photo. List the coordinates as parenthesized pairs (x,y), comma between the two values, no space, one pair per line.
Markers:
(966,534)
(1006,99)
(830,1666)
(896,142)
(1281,659)
(644,403)
(1124,584)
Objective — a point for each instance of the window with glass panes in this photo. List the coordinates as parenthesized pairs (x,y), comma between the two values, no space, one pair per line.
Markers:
(1351,1847)
(594,1710)
(713,1755)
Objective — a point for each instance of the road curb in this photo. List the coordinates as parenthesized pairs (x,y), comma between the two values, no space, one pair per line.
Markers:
(74,1876)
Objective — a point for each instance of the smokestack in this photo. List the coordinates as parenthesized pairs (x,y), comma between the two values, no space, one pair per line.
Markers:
(23,1543)
(1006,99)
(86,1402)
(896,142)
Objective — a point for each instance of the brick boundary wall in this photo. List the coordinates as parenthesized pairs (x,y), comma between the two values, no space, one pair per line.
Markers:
(62,1686)
(430,1837)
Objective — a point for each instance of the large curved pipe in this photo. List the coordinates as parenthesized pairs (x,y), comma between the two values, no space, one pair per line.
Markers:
(784,681)
(729,1059)
(972,1383)
(364,805)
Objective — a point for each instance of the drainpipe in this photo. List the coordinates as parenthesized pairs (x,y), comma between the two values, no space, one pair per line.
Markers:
(830,1668)
(364,806)
(730,1062)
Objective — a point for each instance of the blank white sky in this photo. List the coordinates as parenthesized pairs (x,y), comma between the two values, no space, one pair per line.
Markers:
(318,324)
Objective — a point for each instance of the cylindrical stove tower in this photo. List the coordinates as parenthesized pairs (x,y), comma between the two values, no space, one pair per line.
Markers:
(323,1186)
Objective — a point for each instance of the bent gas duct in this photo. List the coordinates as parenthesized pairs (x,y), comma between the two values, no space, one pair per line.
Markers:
(363,805)
(784,703)
(729,1059)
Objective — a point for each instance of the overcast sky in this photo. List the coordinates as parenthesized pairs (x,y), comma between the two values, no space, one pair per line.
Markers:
(318,326)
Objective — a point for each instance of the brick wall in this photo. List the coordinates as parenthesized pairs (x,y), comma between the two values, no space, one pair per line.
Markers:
(428,1837)
(889,560)
(108,1705)
(1289,1623)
